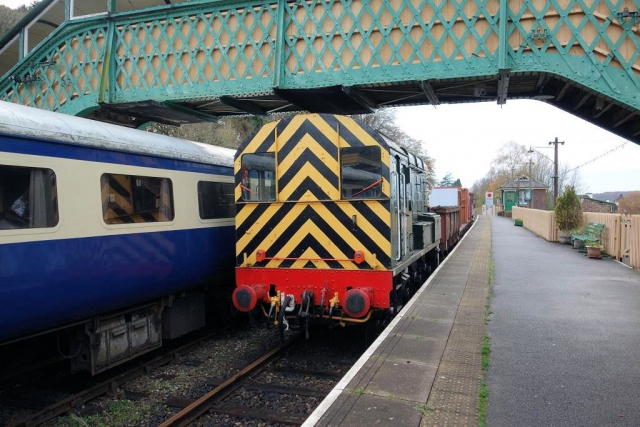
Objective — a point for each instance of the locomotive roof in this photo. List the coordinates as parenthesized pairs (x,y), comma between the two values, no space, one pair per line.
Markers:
(35,123)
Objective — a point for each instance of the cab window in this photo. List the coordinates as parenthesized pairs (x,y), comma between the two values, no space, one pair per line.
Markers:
(258,177)
(130,199)
(28,198)
(215,200)
(361,172)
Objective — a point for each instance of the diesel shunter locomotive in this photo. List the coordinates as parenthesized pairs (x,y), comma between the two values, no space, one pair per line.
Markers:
(331,221)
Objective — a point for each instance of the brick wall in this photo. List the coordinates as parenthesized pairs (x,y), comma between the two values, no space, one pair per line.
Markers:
(539,199)
(591,206)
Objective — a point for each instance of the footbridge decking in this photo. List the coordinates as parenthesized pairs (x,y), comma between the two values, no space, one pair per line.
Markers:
(199,60)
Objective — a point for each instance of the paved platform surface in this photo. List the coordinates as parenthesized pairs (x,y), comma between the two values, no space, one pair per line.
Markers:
(565,335)
(426,370)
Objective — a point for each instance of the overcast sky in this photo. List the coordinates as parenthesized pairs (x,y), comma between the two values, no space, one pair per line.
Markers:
(465,138)
(14,3)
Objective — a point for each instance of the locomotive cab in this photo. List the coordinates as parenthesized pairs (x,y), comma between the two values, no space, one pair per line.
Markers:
(328,214)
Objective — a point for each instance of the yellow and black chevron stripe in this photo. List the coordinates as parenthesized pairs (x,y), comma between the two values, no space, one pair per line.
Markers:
(309,226)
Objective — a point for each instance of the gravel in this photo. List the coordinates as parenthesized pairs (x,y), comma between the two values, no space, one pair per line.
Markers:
(143,401)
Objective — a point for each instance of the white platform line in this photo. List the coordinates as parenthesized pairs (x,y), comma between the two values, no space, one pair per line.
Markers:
(340,387)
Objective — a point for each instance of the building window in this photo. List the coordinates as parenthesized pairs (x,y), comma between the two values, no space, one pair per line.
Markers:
(28,198)
(215,200)
(361,172)
(525,196)
(258,177)
(128,199)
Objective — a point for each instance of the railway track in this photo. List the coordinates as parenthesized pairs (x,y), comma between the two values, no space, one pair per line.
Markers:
(283,384)
(77,400)
(274,389)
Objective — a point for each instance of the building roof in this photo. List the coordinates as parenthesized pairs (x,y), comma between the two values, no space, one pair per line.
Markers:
(27,122)
(587,197)
(524,184)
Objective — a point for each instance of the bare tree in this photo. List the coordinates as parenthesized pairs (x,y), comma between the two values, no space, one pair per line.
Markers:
(512,161)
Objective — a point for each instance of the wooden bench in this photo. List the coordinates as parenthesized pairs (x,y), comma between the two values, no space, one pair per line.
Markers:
(592,232)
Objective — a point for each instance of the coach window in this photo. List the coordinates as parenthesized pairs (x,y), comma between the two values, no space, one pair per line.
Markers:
(28,198)
(361,172)
(258,177)
(128,199)
(215,200)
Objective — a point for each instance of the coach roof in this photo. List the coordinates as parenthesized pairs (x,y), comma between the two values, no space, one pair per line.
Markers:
(27,122)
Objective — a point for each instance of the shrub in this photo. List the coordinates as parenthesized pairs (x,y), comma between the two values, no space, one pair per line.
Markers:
(568,211)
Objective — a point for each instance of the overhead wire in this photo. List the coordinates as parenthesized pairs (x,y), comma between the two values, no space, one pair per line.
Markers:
(597,158)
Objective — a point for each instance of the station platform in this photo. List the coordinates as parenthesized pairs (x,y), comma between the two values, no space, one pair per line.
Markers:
(425,368)
(565,335)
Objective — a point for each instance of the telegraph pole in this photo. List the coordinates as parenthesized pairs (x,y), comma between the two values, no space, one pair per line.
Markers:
(555,169)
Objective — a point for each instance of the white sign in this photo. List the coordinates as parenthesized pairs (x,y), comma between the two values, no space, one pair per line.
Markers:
(488,198)
(443,197)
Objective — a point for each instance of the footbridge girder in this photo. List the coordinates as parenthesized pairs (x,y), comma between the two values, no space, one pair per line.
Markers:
(199,60)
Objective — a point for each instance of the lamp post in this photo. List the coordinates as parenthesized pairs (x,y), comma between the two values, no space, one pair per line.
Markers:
(530,152)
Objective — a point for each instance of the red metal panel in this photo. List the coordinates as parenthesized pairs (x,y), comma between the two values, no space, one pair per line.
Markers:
(295,281)
(450,221)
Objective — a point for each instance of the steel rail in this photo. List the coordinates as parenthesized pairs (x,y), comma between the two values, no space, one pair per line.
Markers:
(77,400)
(204,403)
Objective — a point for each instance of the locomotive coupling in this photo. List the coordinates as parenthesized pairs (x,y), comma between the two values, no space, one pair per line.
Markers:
(245,297)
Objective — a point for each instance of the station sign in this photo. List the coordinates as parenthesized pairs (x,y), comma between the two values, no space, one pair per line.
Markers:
(488,198)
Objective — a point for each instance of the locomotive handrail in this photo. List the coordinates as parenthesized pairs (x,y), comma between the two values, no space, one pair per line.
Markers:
(395,174)
(404,205)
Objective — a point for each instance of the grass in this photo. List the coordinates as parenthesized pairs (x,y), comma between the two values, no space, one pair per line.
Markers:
(486,352)
(358,391)
(424,409)
(118,412)
(483,397)
(483,390)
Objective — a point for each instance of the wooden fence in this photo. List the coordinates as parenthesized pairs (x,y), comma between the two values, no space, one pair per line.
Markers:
(620,237)
(610,238)
(542,223)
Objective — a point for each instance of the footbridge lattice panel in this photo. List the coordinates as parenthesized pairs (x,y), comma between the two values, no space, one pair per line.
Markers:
(205,59)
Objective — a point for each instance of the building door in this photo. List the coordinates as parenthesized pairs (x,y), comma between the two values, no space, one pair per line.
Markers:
(509,200)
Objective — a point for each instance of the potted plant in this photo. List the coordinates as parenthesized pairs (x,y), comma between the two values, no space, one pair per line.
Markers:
(568,213)
(594,249)
(517,222)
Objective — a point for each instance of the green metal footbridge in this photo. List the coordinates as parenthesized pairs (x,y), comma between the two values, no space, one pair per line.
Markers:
(199,60)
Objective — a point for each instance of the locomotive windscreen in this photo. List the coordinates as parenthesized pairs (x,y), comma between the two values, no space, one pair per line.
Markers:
(361,172)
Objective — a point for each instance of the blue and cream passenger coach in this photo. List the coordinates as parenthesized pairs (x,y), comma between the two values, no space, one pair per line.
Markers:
(108,234)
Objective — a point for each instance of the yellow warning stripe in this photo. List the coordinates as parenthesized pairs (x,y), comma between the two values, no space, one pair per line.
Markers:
(362,135)
(286,221)
(366,226)
(307,142)
(380,210)
(310,228)
(259,138)
(308,171)
(264,218)
(287,132)
(310,253)
(245,212)
(341,229)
